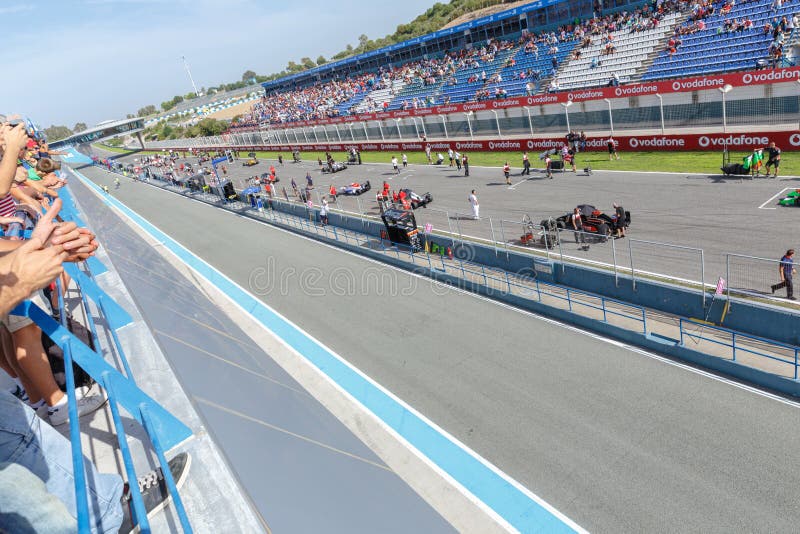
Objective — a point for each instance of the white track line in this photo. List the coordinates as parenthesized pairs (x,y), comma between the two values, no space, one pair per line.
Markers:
(773,197)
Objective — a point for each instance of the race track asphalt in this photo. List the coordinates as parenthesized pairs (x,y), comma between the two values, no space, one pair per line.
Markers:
(616,440)
(717,214)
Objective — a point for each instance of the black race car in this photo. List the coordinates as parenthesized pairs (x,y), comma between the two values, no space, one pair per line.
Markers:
(354,189)
(594,221)
(417,201)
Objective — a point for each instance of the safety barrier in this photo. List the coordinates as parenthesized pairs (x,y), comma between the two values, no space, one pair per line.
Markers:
(736,344)
(363,235)
(163,429)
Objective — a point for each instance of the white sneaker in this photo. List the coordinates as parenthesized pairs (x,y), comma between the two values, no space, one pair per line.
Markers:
(86,405)
(84,391)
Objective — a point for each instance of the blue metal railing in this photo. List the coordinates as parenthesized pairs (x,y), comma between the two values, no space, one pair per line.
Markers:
(735,344)
(163,429)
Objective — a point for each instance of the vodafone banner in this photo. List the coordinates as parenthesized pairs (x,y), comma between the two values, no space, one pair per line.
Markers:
(787,141)
(682,85)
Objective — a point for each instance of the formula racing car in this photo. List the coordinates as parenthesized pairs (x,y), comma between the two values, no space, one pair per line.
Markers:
(354,189)
(333,167)
(594,221)
(792,198)
(413,199)
(251,160)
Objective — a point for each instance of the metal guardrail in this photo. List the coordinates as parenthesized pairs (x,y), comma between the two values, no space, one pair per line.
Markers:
(163,429)
(735,343)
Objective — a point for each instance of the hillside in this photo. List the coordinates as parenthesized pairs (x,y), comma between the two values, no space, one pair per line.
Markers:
(484,12)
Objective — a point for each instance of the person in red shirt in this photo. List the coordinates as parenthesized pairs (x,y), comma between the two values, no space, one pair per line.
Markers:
(507,173)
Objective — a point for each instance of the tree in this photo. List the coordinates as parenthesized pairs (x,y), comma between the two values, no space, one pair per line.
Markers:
(293,67)
(190,96)
(345,53)
(147,110)
(208,127)
(80,127)
(307,63)
(54,133)
(321,60)
(248,75)
(130,116)
(363,40)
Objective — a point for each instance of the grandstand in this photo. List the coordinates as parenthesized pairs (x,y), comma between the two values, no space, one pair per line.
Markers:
(532,50)
(734,48)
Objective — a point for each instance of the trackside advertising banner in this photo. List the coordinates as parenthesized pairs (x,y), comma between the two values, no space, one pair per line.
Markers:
(682,85)
(787,141)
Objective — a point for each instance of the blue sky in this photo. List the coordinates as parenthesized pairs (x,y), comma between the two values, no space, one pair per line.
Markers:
(92,60)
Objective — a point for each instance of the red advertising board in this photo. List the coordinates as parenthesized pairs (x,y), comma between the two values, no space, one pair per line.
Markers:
(681,85)
(787,141)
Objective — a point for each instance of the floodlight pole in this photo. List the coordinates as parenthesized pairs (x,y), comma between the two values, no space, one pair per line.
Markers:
(497,122)
(724,90)
(530,121)
(422,122)
(566,105)
(189,72)
(611,117)
(798,103)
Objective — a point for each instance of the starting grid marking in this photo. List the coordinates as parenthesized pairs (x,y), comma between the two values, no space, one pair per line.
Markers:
(773,197)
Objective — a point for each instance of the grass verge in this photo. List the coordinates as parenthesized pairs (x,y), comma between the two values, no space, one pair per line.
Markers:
(688,162)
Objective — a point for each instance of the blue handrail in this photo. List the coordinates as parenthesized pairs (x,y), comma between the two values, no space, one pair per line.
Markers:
(684,332)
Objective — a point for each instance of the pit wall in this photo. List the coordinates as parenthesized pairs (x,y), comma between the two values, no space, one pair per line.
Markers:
(746,317)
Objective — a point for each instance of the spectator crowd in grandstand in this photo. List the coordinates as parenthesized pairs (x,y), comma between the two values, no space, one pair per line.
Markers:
(324,99)
(430,81)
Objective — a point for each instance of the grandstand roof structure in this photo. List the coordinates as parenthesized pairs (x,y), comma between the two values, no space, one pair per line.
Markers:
(103,130)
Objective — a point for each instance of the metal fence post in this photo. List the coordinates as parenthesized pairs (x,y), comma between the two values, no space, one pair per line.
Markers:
(633,271)
(728,279)
(503,237)
(703,277)
(614,254)
(560,250)
(360,212)
(494,241)
(450,227)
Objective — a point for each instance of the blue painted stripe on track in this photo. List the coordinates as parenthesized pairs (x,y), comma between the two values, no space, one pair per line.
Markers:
(517,507)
